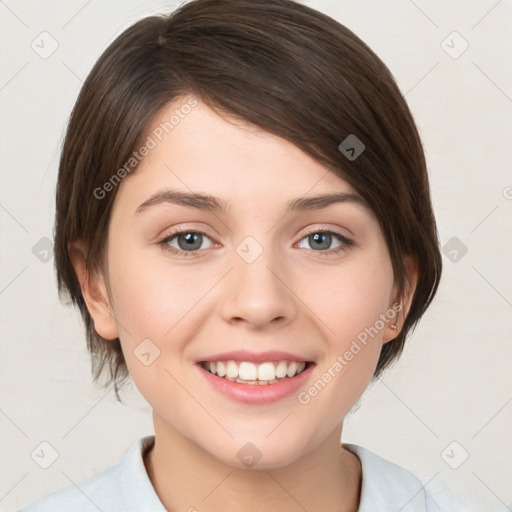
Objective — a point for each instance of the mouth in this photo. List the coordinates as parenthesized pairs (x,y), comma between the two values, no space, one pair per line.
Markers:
(256,378)
(261,374)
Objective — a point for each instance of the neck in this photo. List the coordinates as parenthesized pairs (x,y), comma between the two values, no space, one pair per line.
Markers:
(186,477)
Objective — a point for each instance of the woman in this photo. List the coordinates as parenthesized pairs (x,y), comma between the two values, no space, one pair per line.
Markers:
(244,220)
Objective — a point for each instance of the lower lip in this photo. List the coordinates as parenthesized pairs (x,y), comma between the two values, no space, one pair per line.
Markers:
(257,393)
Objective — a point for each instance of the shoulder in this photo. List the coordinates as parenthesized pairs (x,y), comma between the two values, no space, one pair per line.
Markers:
(119,488)
(387,486)
(98,492)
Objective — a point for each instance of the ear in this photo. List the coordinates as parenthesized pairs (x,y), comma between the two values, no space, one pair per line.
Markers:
(94,291)
(402,301)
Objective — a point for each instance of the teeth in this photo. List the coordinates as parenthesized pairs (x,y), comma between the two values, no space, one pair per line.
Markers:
(221,369)
(232,370)
(281,370)
(292,369)
(251,373)
(266,371)
(247,371)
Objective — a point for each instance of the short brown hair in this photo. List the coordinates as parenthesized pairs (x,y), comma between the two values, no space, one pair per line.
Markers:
(279,65)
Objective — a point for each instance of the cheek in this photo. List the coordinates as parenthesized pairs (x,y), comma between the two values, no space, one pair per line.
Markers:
(150,294)
(158,306)
(349,302)
(151,301)
(349,298)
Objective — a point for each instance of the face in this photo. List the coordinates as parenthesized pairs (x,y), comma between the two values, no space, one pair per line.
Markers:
(191,284)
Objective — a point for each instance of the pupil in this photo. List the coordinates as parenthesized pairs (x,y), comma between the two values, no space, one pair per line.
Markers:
(190,239)
(318,236)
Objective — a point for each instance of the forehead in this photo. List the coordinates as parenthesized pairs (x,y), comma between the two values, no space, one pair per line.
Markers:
(196,150)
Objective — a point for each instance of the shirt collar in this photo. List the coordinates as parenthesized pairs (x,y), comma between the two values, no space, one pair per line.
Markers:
(386,486)
(136,487)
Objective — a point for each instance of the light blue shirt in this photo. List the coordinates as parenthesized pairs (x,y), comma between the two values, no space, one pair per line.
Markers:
(126,487)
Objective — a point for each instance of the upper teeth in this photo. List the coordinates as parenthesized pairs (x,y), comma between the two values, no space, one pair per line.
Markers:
(250,371)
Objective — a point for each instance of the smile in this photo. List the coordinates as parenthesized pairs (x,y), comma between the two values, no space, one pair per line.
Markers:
(245,372)
(241,380)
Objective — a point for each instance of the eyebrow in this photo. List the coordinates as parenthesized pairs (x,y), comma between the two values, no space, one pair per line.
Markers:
(214,204)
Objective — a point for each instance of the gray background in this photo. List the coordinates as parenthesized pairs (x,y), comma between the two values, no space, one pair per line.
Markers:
(449,397)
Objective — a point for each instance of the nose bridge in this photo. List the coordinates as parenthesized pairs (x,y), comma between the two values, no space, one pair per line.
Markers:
(257,292)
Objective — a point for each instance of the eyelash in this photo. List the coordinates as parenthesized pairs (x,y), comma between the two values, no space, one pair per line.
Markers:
(347,243)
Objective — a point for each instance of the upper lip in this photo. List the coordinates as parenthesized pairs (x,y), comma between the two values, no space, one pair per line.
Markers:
(254,357)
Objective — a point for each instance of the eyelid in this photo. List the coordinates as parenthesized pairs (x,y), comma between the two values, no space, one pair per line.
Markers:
(325,229)
(346,242)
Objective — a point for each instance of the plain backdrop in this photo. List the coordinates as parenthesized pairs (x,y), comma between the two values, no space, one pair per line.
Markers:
(444,411)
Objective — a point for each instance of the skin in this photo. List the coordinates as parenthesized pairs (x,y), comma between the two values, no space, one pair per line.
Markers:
(290,298)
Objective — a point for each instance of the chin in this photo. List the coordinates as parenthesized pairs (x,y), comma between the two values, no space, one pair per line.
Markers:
(257,454)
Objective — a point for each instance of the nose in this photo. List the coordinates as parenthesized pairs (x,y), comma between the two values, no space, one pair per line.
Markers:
(258,293)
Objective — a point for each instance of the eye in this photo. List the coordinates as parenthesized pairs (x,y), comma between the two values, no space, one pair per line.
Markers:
(187,240)
(320,239)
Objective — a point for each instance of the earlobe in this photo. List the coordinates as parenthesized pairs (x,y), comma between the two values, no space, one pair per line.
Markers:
(402,302)
(94,292)
(392,328)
